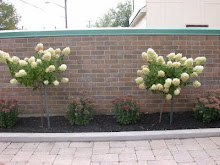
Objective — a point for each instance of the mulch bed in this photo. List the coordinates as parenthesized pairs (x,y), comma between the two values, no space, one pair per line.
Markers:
(104,123)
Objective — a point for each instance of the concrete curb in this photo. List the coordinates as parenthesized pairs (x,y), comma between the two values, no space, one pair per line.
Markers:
(109,136)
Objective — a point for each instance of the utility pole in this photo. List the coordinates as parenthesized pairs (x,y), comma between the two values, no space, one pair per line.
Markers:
(66,13)
(133,5)
(65,8)
(89,25)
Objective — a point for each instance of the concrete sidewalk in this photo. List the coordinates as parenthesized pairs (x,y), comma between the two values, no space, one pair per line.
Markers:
(153,152)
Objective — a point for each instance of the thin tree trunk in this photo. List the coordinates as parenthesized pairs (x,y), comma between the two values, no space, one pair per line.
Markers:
(161,110)
(47,109)
(42,106)
(171,109)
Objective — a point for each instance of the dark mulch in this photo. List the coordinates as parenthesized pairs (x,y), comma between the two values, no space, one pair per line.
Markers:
(104,123)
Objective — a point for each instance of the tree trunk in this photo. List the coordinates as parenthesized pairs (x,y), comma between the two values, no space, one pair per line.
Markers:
(161,110)
(42,106)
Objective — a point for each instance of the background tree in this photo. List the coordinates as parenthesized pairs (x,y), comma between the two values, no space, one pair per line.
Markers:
(116,17)
(8,16)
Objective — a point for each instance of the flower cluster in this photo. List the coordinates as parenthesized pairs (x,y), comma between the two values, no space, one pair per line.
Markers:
(8,112)
(80,109)
(207,106)
(126,110)
(44,68)
(167,75)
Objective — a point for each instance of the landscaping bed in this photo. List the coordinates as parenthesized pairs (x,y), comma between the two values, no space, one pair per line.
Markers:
(104,123)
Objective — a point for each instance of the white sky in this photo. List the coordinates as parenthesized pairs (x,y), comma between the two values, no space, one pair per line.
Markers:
(50,15)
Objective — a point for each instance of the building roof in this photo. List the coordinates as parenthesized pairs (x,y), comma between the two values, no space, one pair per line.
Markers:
(137,16)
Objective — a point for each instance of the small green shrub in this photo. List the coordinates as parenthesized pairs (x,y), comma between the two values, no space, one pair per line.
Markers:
(207,106)
(8,113)
(80,109)
(126,110)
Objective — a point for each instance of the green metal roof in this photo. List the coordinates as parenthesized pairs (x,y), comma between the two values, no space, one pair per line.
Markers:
(112,31)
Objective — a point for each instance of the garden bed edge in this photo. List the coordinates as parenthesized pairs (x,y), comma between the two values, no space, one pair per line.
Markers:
(109,136)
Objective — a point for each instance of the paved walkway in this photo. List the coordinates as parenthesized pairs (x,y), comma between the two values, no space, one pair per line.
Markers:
(149,152)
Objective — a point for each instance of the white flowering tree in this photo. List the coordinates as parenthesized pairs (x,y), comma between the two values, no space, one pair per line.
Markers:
(168,75)
(42,69)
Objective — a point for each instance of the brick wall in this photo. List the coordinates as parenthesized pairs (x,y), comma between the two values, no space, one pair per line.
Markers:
(106,66)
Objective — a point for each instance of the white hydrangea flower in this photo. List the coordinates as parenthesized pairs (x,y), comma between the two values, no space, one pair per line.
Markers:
(39,47)
(168,96)
(178,57)
(1,55)
(52,51)
(161,73)
(22,63)
(193,75)
(51,68)
(46,56)
(171,56)
(144,66)
(46,82)
(17,74)
(184,77)
(57,51)
(166,90)
(40,52)
(57,56)
(189,62)
(4,56)
(56,83)
(176,64)
(160,87)
(140,73)
(15,60)
(160,60)
(26,59)
(66,51)
(39,61)
(142,86)
(63,67)
(144,55)
(152,55)
(183,60)
(167,86)
(177,92)
(169,64)
(64,80)
(32,59)
(33,65)
(145,71)
(176,82)
(196,84)
(21,73)
(200,60)
(154,87)
(198,69)
(168,82)
(139,80)
(13,81)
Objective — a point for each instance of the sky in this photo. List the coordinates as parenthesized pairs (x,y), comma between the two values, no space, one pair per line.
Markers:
(38,15)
